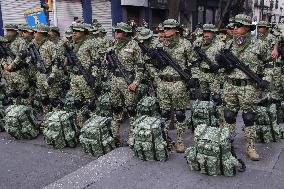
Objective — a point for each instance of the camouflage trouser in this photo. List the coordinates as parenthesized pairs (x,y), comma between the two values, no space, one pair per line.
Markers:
(209,83)
(173,96)
(17,88)
(52,91)
(242,98)
(80,91)
(122,97)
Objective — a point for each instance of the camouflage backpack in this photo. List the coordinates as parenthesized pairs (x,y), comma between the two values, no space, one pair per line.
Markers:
(96,136)
(104,107)
(149,140)
(267,128)
(204,112)
(212,153)
(148,106)
(20,122)
(60,129)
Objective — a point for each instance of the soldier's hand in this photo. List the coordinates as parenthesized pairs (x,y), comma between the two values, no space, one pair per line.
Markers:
(66,63)
(275,53)
(8,67)
(132,87)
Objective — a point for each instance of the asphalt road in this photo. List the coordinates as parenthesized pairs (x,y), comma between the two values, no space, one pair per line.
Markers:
(33,164)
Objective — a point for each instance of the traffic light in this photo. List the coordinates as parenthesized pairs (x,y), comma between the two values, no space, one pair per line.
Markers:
(49,4)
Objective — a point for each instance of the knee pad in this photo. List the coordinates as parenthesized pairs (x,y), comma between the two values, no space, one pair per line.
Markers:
(14,93)
(217,99)
(166,114)
(249,118)
(230,117)
(180,115)
(117,109)
(131,111)
(45,100)
(78,104)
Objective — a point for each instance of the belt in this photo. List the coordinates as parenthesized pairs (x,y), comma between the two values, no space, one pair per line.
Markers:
(240,82)
(273,65)
(170,78)
(206,70)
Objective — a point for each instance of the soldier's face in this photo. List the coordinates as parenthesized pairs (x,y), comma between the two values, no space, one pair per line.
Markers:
(27,34)
(120,34)
(262,29)
(241,29)
(169,32)
(11,33)
(37,36)
(230,31)
(77,35)
(161,34)
(207,35)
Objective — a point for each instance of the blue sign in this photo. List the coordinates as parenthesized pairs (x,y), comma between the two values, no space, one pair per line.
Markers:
(36,17)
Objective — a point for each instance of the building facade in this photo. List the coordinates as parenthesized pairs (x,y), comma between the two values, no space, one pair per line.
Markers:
(270,10)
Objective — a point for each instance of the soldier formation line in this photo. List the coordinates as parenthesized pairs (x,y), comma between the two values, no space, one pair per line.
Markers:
(81,87)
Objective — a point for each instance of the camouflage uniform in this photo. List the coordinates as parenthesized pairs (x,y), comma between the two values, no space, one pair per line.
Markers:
(172,91)
(241,93)
(130,56)
(80,92)
(48,84)
(17,82)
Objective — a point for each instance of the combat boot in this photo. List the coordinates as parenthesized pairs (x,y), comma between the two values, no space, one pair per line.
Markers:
(180,148)
(253,155)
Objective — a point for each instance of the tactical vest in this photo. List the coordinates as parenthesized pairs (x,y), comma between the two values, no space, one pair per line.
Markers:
(20,122)
(60,129)
(96,136)
(149,139)
(212,152)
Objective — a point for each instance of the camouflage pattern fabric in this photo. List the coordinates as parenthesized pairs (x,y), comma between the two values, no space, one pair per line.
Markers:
(211,153)
(148,106)
(148,140)
(60,129)
(267,128)
(20,122)
(204,112)
(104,106)
(96,136)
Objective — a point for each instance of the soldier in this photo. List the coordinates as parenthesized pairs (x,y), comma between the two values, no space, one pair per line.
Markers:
(122,94)
(16,71)
(209,79)
(49,80)
(82,93)
(172,91)
(240,92)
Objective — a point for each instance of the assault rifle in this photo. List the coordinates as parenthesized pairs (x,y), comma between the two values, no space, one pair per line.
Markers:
(230,61)
(73,59)
(5,51)
(114,63)
(202,55)
(34,53)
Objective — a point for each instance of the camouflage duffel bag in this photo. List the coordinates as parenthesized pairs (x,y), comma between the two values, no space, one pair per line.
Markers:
(267,127)
(20,122)
(104,107)
(96,136)
(204,112)
(212,153)
(60,129)
(149,140)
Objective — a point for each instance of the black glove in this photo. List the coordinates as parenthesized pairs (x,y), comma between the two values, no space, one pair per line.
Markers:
(214,68)
(193,83)
(264,84)
(217,99)
(50,80)
(23,54)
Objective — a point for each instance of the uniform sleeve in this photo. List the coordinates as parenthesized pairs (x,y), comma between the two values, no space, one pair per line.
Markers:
(17,61)
(139,64)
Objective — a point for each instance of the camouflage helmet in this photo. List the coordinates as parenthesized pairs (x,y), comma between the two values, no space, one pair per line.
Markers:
(11,27)
(123,27)
(78,27)
(161,27)
(210,27)
(144,34)
(3,39)
(171,23)
(244,20)
(278,30)
(54,29)
(27,28)
(41,29)
(263,23)
(147,105)
(68,32)
(102,30)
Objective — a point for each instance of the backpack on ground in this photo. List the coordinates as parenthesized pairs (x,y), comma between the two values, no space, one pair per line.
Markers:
(60,129)
(149,140)
(20,122)
(96,136)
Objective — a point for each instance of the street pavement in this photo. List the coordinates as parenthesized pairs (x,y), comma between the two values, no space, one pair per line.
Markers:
(33,164)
